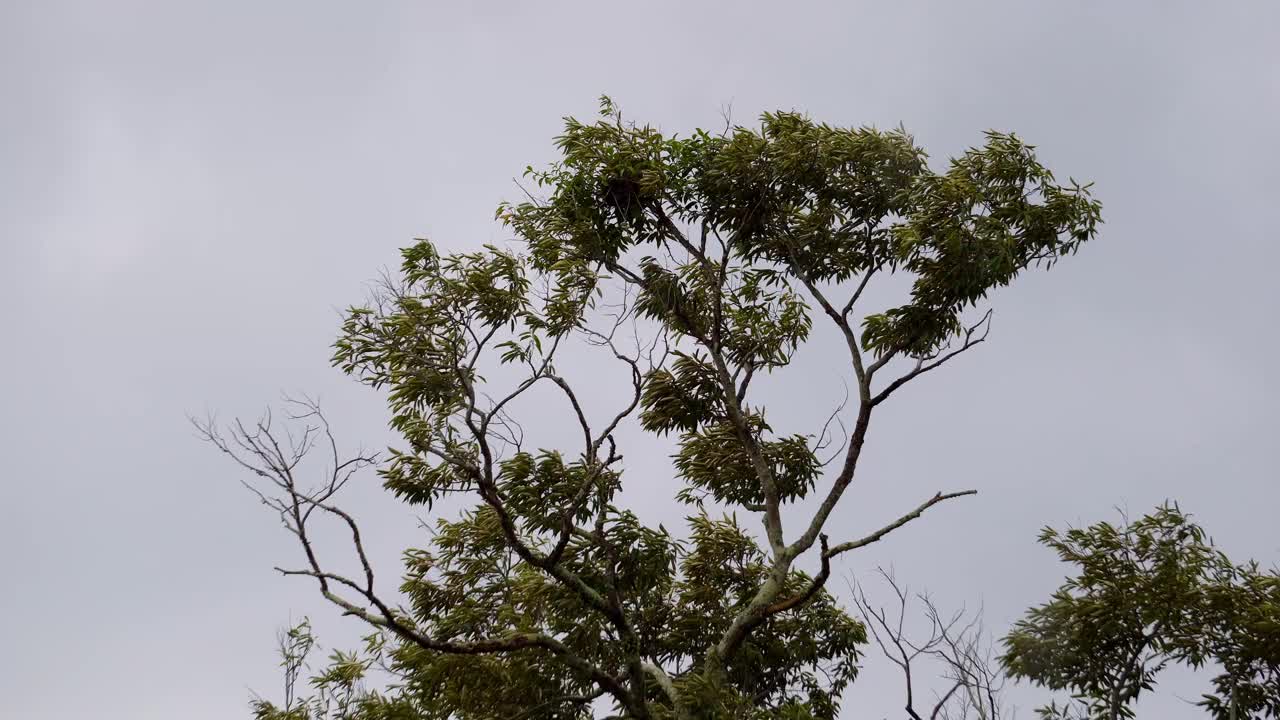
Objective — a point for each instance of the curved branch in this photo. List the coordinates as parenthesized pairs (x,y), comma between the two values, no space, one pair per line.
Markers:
(923,366)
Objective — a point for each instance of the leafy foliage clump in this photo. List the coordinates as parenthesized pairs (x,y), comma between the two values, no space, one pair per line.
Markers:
(1146,595)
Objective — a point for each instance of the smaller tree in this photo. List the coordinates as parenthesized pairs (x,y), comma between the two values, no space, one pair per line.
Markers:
(341,688)
(973,681)
(1148,594)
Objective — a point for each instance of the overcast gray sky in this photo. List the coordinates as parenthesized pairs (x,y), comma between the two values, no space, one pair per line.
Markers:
(189,192)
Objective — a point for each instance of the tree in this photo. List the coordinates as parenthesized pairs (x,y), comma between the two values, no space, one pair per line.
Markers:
(698,265)
(1148,594)
(973,681)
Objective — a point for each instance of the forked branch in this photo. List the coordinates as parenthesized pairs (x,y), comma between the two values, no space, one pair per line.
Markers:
(260,451)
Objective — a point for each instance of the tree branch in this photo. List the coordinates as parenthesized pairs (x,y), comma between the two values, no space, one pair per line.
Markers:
(878,534)
(970,339)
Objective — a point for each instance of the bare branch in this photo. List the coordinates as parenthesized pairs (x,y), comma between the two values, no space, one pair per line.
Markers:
(878,534)
(889,633)
(841,320)
(266,458)
(853,300)
(974,682)
(924,365)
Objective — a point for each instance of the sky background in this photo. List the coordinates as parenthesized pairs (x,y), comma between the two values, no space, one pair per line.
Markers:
(190,192)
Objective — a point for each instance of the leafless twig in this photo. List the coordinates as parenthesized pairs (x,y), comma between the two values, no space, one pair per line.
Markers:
(970,675)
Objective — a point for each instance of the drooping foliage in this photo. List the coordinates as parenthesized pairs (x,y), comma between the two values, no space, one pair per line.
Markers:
(1146,595)
(713,255)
